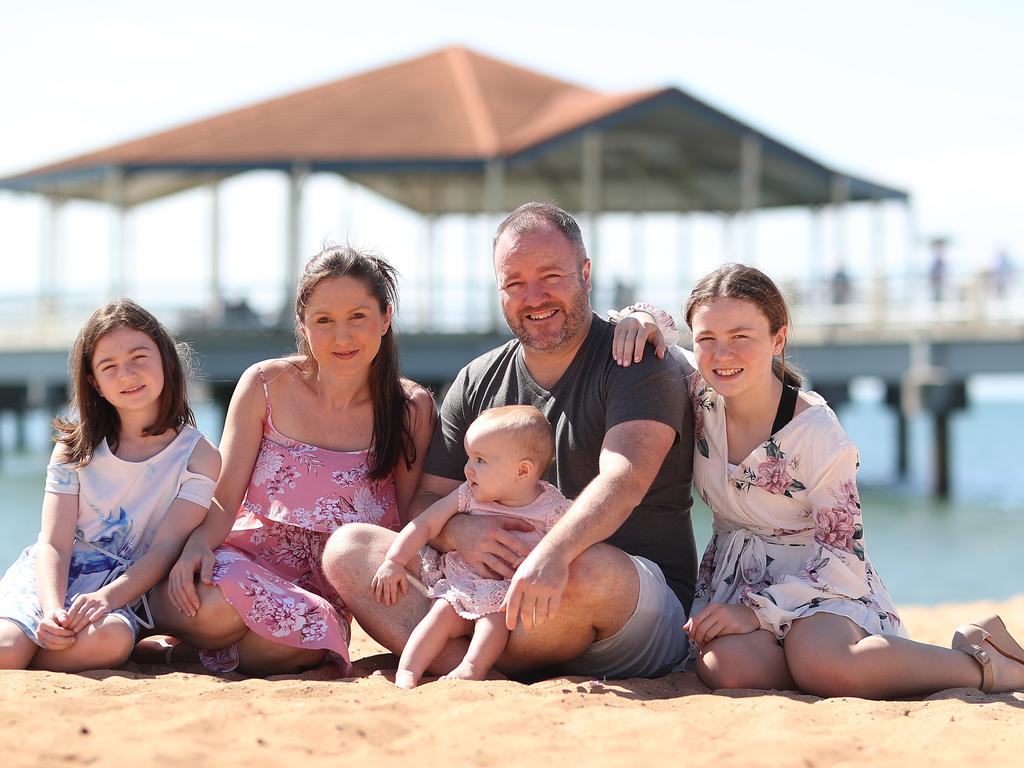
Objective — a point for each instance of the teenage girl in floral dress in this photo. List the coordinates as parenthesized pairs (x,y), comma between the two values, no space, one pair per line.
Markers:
(786,595)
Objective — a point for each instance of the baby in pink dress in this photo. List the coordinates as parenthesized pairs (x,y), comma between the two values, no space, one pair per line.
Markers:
(509,449)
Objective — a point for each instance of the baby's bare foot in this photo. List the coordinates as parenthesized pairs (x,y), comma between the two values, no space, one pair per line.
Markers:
(405,679)
(466,671)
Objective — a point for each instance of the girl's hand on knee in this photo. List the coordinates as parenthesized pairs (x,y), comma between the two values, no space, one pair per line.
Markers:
(87,609)
(181,581)
(389,582)
(720,619)
(52,633)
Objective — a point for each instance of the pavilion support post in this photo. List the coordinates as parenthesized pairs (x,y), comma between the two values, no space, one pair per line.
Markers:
(494,203)
(840,195)
(913,286)
(684,244)
(750,194)
(296,181)
(592,197)
(114,194)
(346,213)
(817,243)
(877,282)
(729,237)
(50,264)
(427,279)
(216,298)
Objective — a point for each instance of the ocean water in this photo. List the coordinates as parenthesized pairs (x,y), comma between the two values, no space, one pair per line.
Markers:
(927,551)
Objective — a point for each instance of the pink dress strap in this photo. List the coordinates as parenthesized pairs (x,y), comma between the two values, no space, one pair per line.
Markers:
(266,392)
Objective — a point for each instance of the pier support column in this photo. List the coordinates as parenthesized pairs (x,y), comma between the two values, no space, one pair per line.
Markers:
(836,394)
(220,394)
(894,399)
(941,400)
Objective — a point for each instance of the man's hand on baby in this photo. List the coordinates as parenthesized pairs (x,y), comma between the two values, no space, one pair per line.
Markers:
(389,581)
(490,544)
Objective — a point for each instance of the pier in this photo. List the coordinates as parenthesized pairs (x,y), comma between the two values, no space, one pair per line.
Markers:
(922,350)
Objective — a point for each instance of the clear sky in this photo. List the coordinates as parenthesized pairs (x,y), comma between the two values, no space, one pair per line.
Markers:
(923,96)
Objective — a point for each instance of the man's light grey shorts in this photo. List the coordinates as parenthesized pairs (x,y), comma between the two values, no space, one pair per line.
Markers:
(650,644)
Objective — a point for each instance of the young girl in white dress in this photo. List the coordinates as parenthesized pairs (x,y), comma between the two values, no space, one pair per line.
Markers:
(126,484)
(786,595)
(509,449)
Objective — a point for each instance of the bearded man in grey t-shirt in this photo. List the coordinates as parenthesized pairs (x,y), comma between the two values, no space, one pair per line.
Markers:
(604,592)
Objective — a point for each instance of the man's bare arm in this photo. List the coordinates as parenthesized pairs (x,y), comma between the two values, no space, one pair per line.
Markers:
(631,456)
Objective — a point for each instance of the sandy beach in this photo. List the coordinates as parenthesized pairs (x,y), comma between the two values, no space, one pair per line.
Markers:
(153,715)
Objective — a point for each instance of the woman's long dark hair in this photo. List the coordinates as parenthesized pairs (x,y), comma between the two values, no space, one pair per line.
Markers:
(738,281)
(97,419)
(392,435)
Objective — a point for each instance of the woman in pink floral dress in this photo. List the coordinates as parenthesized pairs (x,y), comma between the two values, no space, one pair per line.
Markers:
(786,595)
(312,442)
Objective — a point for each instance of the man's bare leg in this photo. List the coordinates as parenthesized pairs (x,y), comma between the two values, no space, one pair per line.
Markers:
(601,596)
(599,599)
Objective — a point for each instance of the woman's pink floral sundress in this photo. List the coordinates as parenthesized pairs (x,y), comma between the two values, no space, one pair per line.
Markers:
(269,567)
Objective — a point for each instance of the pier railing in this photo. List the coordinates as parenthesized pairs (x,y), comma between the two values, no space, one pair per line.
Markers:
(971,305)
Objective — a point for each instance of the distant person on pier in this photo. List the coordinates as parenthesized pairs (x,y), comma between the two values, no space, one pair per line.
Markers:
(312,442)
(840,286)
(128,481)
(938,268)
(787,597)
(1002,275)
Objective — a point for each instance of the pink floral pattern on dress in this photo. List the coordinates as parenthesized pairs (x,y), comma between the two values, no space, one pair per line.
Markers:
(773,473)
(269,567)
(772,476)
(702,399)
(839,526)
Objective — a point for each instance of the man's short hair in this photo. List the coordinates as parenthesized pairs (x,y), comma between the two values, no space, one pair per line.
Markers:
(531,217)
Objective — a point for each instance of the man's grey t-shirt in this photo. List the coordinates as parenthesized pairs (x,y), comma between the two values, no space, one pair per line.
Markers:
(592,396)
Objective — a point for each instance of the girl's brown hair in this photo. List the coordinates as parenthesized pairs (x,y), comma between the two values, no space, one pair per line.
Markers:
(738,281)
(392,436)
(97,419)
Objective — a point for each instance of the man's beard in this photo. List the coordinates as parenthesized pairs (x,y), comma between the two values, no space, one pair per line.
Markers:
(574,317)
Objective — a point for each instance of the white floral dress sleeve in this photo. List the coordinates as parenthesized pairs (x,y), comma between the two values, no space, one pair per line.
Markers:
(666,324)
(835,575)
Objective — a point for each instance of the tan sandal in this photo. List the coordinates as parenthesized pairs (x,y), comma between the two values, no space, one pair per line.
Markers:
(969,637)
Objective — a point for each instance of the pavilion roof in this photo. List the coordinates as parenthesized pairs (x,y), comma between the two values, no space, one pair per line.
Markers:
(422,132)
